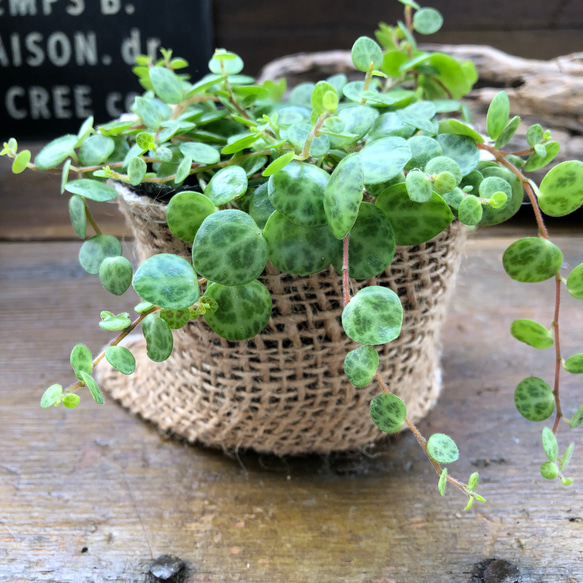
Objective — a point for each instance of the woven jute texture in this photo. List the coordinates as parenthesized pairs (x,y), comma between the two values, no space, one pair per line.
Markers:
(285,391)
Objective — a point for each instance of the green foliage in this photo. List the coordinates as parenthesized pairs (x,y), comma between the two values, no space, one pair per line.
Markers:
(531,333)
(442,448)
(388,412)
(168,281)
(254,176)
(360,365)
(373,316)
(534,399)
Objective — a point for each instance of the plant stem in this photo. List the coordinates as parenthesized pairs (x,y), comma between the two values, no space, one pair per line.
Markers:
(345,277)
(558,360)
(314,132)
(91,219)
(545,234)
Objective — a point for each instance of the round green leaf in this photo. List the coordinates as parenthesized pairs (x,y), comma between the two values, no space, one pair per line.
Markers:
(229,248)
(441,485)
(116,274)
(91,189)
(534,399)
(507,132)
(320,96)
(51,396)
(183,170)
(260,207)
(457,127)
(297,249)
(470,210)
(186,212)
(534,134)
(461,149)
(498,114)
(159,340)
(550,445)
(71,401)
(243,311)
(531,333)
(561,190)
(278,164)
(147,112)
(96,249)
(360,365)
(390,124)
(373,316)
(93,388)
(383,159)
(78,215)
(200,153)
(539,160)
(55,152)
(427,21)
(575,282)
(419,115)
(444,182)
(21,162)
(168,281)
(413,222)
(440,164)
(577,418)
(121,359)
(176,319)
(343,195)
(297,192)
(357,119)
(574,364)
(419,187)
(96,150)
(567,456)
(366,51)
(113,322)
(442,448)
(491,215)
(137,169)
(81,360)
(371,245)
(452,74)
(549,470)
(532,259)
(423,148)
(230,66)
(166,85)
(388,412)
(226,185)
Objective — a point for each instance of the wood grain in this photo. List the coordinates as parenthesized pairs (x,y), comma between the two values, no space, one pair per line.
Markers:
(95,495)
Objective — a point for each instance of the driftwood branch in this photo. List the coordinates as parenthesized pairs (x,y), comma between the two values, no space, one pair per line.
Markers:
(545,92)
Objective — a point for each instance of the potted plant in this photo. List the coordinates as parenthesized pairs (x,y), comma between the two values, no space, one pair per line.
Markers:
(284,240)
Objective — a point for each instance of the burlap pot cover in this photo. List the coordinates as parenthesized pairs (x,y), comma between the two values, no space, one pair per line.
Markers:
(285,391)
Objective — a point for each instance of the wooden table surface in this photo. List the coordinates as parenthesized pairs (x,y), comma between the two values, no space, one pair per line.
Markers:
(95,495)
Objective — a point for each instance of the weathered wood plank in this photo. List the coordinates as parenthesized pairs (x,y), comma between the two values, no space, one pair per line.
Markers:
(94,494)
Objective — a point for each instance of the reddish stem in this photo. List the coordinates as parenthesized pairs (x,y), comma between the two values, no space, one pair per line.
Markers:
(345,278)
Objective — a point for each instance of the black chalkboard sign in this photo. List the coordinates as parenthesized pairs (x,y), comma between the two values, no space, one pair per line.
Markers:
(63,60)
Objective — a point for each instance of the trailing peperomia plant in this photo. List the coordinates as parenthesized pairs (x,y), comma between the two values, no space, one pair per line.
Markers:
(335,173)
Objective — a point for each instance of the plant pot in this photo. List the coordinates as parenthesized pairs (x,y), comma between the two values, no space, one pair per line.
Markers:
(284,391)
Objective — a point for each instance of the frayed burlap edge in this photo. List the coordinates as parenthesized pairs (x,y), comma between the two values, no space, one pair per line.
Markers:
(285,391)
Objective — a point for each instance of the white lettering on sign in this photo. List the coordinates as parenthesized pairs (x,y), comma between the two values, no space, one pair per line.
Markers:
(110,6)
(22,7)
(47,6)
(59,50)
(30,7)
(61,102)
(77,8)
(131,47)
(116,104)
